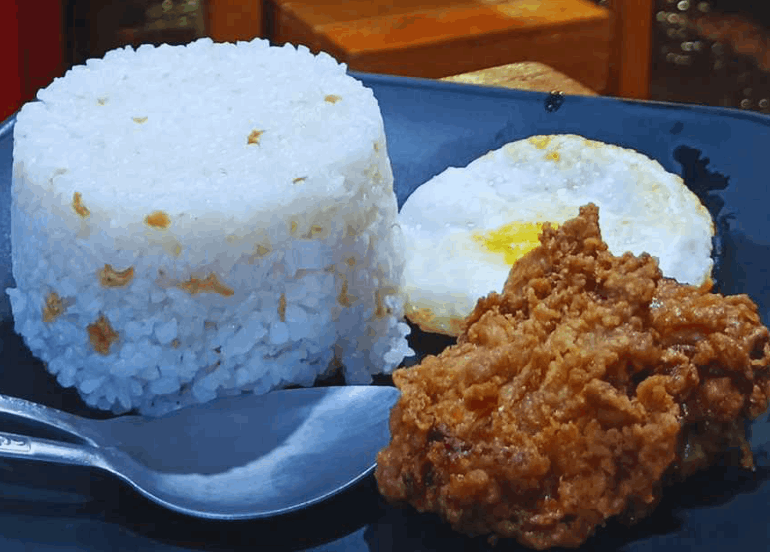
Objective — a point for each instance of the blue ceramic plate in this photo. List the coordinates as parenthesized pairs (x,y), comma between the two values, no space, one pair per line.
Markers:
(722,156)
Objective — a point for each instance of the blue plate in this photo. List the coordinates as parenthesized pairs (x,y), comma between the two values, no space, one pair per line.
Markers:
(720,153)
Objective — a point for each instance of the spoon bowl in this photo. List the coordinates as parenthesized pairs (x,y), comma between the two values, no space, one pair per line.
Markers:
(243,457)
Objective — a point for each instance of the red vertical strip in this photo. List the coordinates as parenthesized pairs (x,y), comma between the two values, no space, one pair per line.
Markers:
(41,44)
(10,90)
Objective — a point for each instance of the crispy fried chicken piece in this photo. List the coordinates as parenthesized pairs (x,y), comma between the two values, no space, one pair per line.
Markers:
(573,395)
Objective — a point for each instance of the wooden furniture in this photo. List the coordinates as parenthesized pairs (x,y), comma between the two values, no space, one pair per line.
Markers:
(528,75)
(631,48)
(233,20)
(607,49)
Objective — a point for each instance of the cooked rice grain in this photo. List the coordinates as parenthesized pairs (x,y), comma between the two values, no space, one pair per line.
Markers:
(193,212)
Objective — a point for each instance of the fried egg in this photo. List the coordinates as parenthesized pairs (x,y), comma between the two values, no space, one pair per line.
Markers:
(466,227)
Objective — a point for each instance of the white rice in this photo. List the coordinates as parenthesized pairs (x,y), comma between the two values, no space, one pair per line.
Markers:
(191,222)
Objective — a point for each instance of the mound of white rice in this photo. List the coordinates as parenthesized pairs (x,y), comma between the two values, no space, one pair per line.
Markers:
(191,222)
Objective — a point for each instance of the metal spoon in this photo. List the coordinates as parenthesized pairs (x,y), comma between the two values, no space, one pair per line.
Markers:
(234,458)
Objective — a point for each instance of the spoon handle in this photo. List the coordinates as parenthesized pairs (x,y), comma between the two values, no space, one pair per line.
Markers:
(46,416)
(44,450)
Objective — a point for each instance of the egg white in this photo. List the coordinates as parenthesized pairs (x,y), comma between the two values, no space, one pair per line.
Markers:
(450,221)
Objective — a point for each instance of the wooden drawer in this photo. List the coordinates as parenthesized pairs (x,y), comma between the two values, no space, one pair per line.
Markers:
(437,38)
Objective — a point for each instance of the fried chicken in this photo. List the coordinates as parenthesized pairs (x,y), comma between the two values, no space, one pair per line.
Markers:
(575,394)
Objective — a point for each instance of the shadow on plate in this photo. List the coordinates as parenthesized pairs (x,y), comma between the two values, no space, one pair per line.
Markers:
(25,376)
(313,527)
(425,344)
(676,514)
(64,495)
(95,500)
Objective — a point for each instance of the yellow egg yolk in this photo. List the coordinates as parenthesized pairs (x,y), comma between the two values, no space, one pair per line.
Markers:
(512,240)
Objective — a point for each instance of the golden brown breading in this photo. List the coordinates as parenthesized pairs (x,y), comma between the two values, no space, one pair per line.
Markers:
(571,395)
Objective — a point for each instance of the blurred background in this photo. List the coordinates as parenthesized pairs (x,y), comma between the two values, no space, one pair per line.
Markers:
(714,52)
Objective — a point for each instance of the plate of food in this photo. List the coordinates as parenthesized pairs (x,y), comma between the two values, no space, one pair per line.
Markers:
(569,293)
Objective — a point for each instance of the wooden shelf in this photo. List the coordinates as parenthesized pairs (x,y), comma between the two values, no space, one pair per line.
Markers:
(527,75)
(233,20)
(437,38)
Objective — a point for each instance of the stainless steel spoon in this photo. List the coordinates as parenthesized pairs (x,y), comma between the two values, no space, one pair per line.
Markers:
(234,458)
